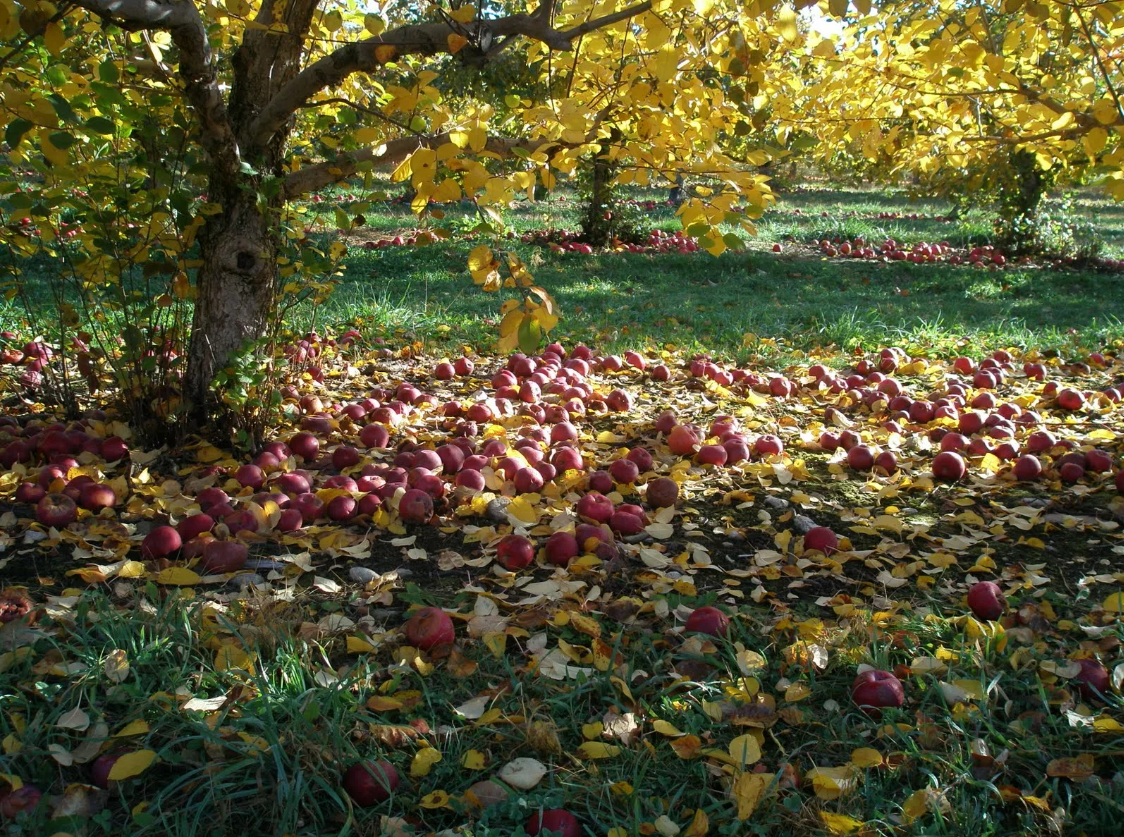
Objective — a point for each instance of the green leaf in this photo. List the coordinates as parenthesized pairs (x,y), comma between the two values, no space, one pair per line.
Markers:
(100,125)
(107,71)
(529,334)
(15,131)
(61,140)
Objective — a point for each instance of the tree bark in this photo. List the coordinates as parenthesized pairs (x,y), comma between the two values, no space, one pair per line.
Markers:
(236,287)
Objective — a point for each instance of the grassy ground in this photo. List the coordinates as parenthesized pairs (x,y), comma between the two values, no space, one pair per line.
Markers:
(251,701)
(630,300)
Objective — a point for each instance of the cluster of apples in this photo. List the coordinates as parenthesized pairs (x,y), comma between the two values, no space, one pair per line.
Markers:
(393,241)
(918,253)
(658,241)
(966,400)
(56,448)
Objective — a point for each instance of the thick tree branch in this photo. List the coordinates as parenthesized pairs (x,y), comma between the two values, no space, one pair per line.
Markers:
(391,153)
(182,21)
(423,39)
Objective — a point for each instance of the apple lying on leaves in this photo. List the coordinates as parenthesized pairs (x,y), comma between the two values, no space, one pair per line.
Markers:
(987,601)
(662,492)
(557,821)
(370,782)
(707,620)
(224,557)
(949,466)
(821,539)
(515,552)
(876,690)
(561,548)
(56,510)
(429,628)
(161,542)
(415,506)
(13,803)
(1092,681)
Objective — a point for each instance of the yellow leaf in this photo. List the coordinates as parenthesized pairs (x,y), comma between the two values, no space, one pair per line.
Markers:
(840,823)
(455,42)
(598,750)
(14,782)
(131,569)
(54,39)
(465,14)
(524,512)
(137,727)
(786,25)
(358,645)
(585,624)
(436,799)
(866,757)
(1114,603)
(747,791)
(131,764)
(116,666)
(687,747)
(233,658)
(473,760)
(423,762)
(665,728)
(177,576)
(699,825)
(745,750)
(1104,111)
(832,782)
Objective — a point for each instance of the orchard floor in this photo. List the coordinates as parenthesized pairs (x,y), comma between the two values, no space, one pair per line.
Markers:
(236,702)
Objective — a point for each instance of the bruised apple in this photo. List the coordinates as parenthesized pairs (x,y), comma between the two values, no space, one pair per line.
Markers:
(430,627)
(662,492)
(875,690)
(56,510)
(415,506)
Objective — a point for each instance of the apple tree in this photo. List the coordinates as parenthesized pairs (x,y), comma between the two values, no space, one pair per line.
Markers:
(224,114)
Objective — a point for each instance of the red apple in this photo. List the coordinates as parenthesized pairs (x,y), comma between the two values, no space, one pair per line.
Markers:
(662,492)
(821,538)
(429,628)
(305,445)
(515,552)
(415,506)
(161,542)
(56,510)
(625,471)
(370,782)
(875,690)
(595,506)
(13,803)
(987,601)
(861,457)
(708,620)
(561,548)
(1092,682)
(1027,468)
(555,820)
(197,524)
(949,466)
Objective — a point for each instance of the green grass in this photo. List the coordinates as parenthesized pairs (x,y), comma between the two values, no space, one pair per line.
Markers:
(709,304)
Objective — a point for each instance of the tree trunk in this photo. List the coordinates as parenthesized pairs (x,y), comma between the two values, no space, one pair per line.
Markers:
(236,287)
